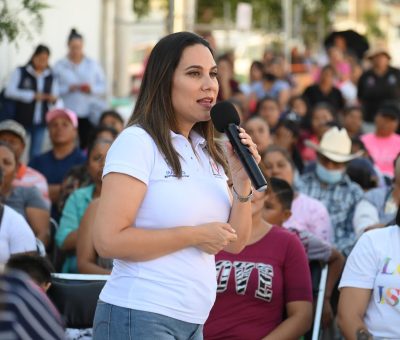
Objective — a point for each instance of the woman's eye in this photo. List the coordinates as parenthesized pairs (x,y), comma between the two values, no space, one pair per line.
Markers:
(194,74)
(214,74)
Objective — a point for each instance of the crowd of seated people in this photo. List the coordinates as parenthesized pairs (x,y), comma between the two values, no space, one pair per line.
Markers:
(330,152)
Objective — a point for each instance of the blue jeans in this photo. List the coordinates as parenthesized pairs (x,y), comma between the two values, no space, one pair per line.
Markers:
(36,133)
(114,323)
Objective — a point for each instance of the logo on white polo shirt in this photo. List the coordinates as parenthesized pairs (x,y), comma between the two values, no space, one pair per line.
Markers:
(215,169)
(170,173)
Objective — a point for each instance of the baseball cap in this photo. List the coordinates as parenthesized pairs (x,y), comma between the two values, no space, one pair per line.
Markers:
(55,113)
(14,127)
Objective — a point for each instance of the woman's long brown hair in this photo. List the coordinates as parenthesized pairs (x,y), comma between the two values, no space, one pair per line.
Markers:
(154,111)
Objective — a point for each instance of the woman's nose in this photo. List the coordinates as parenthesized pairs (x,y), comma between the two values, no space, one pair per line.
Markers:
(209,83)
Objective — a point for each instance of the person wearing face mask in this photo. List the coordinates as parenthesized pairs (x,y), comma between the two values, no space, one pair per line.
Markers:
(330,184)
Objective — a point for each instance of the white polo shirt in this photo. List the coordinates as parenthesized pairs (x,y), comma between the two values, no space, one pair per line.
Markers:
(181,285)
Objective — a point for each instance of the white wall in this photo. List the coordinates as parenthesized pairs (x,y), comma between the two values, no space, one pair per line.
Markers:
(84,15)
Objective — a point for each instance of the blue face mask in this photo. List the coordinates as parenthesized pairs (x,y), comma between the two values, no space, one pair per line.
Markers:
(329,176)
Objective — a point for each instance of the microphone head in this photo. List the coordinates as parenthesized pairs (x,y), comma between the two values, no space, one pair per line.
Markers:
(223,114)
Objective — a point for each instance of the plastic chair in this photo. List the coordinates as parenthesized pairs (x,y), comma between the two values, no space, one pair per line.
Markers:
(75,296)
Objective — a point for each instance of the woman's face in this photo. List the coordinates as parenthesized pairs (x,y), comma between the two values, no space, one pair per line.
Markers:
(353,120)
(335,55)
(320,118)
(256,73)
(327,76)
(299,106)
(75,47)
(225,69)
(269,110)
(113,122)
(385,126)
(258,130)
(40,61)
(96,161)
(194,86)
(8,165)
(278,166)
(284,138)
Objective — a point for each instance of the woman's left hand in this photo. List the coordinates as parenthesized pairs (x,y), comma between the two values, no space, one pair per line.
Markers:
(238,173)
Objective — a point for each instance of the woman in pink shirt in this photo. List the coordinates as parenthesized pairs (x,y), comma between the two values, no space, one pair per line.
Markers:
(307,213)
(384,145)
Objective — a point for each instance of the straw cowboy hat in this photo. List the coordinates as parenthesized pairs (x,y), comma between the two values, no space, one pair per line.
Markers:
(335,145)
(377,50)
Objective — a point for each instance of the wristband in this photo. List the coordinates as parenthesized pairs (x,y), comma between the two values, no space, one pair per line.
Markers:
(363,334)
(242,199)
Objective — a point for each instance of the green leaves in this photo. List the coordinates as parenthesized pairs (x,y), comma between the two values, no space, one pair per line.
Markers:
(18,18)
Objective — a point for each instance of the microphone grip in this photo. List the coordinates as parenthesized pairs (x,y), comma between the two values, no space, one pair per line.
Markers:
(246,158)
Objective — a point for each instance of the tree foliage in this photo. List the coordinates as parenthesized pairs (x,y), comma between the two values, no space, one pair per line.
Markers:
(20,17)
(141,7)
(268,14)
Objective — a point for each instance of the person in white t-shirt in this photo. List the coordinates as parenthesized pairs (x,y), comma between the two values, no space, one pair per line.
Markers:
(16,236)
(370,287)
(165,207)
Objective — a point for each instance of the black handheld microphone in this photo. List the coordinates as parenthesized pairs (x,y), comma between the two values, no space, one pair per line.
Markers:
(226,119)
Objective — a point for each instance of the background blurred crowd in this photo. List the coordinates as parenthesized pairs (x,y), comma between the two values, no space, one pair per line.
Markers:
(334,142)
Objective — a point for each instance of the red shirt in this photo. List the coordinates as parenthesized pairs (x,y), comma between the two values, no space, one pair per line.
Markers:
(255,285)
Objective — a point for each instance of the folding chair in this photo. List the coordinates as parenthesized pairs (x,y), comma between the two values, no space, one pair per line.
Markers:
(319,272)
(320,303)
(75,296)
(55,254)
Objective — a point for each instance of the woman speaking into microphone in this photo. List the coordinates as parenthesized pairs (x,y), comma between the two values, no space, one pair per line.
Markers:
(165,207)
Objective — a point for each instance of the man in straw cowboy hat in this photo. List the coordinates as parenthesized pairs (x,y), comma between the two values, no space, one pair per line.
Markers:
(378,84)
(329,184)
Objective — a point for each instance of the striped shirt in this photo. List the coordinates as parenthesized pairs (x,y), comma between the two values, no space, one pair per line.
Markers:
(25,311)
(29,177)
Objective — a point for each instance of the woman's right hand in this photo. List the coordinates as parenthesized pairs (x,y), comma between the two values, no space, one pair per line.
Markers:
(215,236)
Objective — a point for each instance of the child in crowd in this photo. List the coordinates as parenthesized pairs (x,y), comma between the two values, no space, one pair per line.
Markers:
(269,278)
(38,268)
(298,109)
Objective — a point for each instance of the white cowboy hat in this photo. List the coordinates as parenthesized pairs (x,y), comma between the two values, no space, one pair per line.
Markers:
(335,145)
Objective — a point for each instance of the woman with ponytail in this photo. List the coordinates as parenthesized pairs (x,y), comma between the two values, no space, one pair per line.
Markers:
(82,85)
